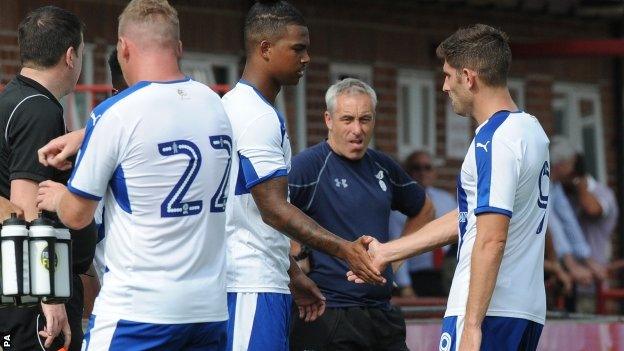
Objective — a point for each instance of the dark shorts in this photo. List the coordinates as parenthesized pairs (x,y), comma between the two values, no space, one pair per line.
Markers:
(350,328)
(19,326)
(498,333)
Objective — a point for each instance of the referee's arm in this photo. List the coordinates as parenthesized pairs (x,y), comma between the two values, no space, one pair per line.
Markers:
(7,207)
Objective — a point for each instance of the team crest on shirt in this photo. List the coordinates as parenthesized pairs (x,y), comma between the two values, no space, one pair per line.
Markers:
(183,94)
(382,184)
(445,342)
(95,118)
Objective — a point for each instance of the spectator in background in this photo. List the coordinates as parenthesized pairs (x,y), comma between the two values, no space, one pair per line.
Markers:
(596,208)
(568,238)
(420,275)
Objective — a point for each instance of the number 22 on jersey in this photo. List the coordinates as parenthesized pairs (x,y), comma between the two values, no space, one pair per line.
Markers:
(174,206)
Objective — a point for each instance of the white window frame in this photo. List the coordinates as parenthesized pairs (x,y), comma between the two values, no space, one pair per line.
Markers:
(205,62)
(302,121)
(415,80)
(573,128)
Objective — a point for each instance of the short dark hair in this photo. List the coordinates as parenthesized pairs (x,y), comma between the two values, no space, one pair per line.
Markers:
(481,48)
(117,77)
(269,18)
(45,35)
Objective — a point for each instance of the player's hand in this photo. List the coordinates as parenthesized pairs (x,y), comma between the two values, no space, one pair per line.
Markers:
(375,251)
(307,296)
(49,195)
(598,271)
(56,322)
(566,281)
(360,262)
(56,152)
(470,339)
(7,207)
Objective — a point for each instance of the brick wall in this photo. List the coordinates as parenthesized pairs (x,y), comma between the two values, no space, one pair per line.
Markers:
(384,35)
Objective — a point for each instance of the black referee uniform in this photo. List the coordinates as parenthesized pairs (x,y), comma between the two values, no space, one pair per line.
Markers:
(30,116)
(351,198)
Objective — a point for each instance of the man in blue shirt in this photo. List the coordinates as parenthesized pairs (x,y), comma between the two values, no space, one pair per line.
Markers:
(350,190)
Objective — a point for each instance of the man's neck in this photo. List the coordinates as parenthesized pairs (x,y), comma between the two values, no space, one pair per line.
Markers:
(48,78)
(268,87)
(490,101)
(154,68)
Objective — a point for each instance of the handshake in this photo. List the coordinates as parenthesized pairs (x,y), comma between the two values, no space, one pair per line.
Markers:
(367,260)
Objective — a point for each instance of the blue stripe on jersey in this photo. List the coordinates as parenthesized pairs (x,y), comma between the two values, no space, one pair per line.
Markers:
(81,193)
(241,187)
(462,206)
(97,113)
(483,155)
(279,115)
(251,176)
(120,189)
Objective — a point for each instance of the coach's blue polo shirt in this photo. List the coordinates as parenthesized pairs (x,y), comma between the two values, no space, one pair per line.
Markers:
(351,198)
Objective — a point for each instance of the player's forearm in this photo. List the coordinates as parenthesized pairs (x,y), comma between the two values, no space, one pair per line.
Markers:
(24,196)
(437,233)
(73,211)
(486,257)
(276,211)
(294,269)
(304,229)
(485,263)
(414,223)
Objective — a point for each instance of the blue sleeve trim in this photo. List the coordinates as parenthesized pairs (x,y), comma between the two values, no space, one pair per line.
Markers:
(84,194)
(490,209)
(483,155)
(275,174)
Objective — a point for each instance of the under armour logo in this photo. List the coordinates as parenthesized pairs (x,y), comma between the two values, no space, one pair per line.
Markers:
(484,146)
(341,182)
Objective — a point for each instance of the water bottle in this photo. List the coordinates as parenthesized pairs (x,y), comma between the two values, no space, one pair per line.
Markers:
(43,260)
(14,249)
(63,273)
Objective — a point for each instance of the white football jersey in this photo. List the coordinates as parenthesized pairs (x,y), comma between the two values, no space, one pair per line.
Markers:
(257,254)
(159,155)
(506,171)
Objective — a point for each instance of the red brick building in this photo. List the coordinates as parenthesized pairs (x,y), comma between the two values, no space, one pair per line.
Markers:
(391,44)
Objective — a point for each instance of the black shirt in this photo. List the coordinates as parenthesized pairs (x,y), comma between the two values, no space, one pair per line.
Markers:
(30,116)
(350,199)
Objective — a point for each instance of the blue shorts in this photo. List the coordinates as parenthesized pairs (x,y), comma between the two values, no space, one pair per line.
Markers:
(258,321)
(118,334)
(498,334)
